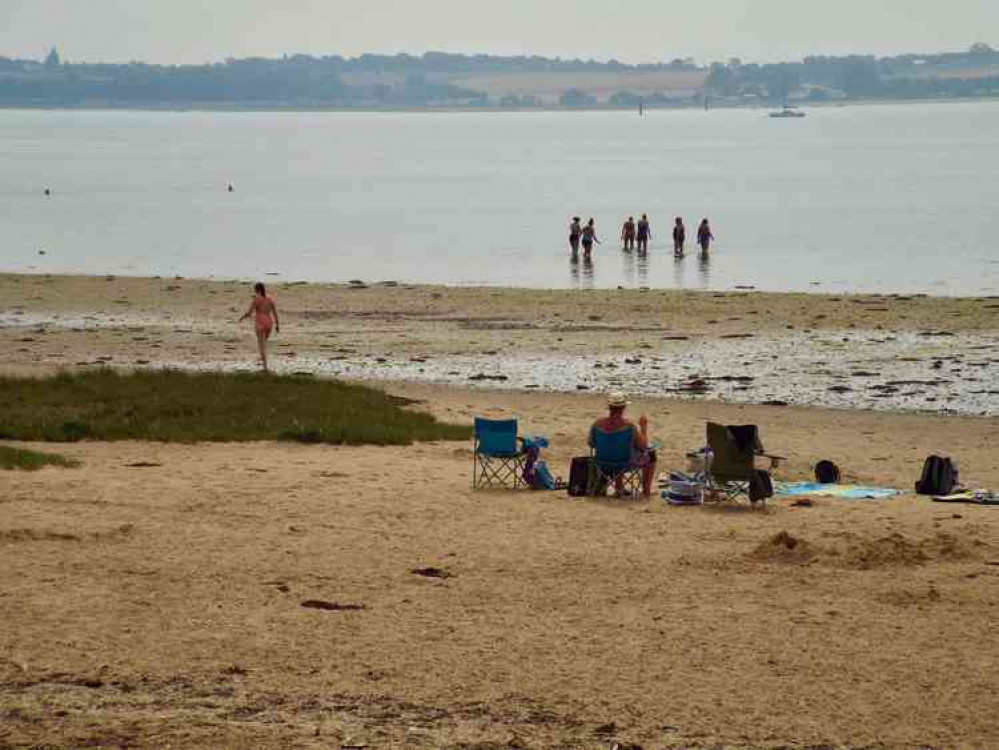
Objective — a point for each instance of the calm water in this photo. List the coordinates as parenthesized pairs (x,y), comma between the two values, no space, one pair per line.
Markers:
(878,198)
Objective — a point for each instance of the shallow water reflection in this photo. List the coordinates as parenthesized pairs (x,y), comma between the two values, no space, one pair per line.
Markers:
(679,270)
(581,272)
(704,270)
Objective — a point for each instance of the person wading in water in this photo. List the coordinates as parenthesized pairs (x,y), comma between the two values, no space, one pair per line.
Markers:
(679,237)
(704,237)
(628,233)
(589,237)
(575,231)
(644,234)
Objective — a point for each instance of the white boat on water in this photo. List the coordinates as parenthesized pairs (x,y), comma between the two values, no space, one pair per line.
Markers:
(787,112)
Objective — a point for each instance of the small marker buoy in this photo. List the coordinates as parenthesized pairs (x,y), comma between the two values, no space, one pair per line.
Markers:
(231,188)
(48,192)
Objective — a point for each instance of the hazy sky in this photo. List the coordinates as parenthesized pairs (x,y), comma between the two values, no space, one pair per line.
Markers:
(629,30)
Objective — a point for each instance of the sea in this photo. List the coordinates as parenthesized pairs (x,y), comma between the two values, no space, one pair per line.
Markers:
(894,198)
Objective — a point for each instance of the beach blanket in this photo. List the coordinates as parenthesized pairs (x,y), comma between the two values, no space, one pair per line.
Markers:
(842,491)
(974,497)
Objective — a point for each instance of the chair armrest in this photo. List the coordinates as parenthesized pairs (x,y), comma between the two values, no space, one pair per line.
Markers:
(774,460)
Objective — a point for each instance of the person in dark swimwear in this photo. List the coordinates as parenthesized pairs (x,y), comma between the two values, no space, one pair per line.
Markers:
(679,236)
(575,231)
(704,237)
(589,237)
(628,233)
(644,233)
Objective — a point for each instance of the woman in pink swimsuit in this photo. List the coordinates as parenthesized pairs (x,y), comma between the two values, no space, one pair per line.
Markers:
(265,319)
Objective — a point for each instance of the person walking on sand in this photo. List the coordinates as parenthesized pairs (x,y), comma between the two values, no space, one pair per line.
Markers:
(679,237)
(628,233)
(265,319)
(704,237)
(575,232)
(589,237)
(644,233)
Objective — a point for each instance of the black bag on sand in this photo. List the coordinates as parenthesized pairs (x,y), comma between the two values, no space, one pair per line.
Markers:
(939,477)
(579,476)
(760,486)
(826,472)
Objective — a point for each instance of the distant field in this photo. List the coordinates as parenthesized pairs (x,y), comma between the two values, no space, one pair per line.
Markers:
(964,74)
(549,86)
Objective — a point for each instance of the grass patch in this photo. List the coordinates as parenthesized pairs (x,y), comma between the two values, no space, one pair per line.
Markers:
(16,458)
(171,406)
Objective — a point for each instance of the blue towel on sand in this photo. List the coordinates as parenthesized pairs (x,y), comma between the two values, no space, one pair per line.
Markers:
(844,491)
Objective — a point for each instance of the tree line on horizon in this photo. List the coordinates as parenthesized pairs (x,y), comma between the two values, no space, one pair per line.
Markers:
(438,79)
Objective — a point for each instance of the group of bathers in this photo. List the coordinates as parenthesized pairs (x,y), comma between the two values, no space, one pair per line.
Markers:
(582,234)
(636,235)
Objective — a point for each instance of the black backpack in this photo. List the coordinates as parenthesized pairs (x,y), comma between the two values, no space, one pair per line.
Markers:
(579,476)
(939,477)
(826,472)
(760,486)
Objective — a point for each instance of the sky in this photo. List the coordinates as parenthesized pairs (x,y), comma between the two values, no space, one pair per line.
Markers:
(195,31)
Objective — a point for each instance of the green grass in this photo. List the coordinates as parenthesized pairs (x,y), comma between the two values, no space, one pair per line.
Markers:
(15,458)
(170,406)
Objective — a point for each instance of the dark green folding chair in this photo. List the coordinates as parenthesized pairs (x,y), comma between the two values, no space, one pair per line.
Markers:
(731,470)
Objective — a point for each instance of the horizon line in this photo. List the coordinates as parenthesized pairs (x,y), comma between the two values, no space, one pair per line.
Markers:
(687,59)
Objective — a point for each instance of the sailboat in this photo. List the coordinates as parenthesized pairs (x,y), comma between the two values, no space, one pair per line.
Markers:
(787,111)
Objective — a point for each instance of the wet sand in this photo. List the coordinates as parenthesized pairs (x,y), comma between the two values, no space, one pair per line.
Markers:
(892,353)
(162,605)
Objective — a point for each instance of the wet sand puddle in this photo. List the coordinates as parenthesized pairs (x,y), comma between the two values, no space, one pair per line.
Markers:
(100,321)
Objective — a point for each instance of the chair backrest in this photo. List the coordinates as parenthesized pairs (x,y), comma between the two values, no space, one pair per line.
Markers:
(612,448)
(495,437)
(734,449)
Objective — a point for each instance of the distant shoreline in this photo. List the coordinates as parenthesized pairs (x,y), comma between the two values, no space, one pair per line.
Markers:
(279,281)
(297,109)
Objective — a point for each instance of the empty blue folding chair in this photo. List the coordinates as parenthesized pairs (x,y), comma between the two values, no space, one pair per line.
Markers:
(612,461)
(498,459)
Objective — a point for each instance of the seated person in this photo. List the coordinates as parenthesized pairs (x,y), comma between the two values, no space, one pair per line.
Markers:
(642,454)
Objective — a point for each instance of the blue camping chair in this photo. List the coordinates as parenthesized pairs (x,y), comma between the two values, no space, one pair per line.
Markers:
(497,460)
(611,461)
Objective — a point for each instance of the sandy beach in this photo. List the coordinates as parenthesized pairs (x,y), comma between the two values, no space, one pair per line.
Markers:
(154,597)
